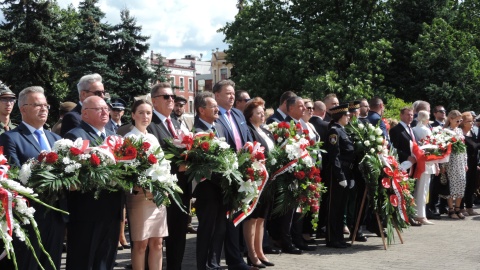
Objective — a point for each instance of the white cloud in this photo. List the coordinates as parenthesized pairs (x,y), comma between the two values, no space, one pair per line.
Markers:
(176,28)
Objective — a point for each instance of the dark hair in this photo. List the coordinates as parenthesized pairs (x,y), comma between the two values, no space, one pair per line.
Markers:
(286,95)
(375,102)
(219,85)
(158,86)
(251,105)
(139,102)
(292,100)
(402,110)
(200,100)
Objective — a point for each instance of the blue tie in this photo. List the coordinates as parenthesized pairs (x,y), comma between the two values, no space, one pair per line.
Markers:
(43,144)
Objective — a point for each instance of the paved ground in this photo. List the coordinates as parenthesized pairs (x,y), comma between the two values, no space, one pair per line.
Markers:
(449,244)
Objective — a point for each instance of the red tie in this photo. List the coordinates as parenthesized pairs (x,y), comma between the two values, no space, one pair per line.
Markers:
(170,128)
(238,140)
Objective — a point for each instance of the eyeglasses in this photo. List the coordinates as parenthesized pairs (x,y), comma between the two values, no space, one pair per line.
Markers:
(166,97)
(7,100)
(459,121)
(96,93)
(309,108)
(39,106)
(100,109)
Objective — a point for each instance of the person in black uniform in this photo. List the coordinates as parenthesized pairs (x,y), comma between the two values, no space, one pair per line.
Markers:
(339,174)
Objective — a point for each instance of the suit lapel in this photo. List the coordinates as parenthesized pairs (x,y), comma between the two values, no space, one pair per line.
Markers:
(29,136)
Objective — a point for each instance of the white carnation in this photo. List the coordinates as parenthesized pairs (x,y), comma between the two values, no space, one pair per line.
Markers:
(379,148)
(361,126)
(366,143)
(372,138)
(379,139)
(25,173)
(378,131)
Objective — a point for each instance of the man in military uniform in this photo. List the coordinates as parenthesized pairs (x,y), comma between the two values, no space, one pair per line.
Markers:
(7,101)
(117,109)
(339,174)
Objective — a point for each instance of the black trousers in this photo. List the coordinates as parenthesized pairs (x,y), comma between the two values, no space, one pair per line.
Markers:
(336,210)
(52,229)
(211,224)
(177,222)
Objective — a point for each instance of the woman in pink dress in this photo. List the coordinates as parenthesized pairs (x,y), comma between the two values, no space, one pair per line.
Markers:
(148,223)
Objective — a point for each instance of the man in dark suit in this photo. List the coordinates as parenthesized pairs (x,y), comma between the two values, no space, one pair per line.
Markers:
(89,85)
(330,101)
(237,134)
(20,144)
(208,194)
(320,125)
(164,127)
(401,136)
(281,113)
(94,224)
(375,115)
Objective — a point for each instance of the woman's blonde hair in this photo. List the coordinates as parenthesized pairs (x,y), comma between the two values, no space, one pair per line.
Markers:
(452,115)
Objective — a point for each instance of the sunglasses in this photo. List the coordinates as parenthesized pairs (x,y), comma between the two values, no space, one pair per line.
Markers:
(96,93)
(459,121)
(166,97)
(309,108)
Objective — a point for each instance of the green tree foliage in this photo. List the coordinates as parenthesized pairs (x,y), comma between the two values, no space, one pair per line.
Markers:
(90,48)
(33,43)
(129,46)
(160,72)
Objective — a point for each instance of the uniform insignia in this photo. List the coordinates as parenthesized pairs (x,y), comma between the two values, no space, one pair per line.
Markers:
(333,138)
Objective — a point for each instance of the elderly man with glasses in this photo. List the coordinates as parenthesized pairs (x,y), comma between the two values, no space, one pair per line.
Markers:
(7,101)
(89,85)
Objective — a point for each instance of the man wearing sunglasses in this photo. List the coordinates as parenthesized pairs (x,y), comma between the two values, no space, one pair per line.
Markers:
(165,127)
(241,99)
(89,85)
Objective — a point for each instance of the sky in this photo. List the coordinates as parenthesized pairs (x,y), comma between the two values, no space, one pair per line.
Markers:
(176,27)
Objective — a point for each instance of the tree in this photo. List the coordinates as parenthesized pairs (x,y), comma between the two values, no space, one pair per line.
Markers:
(160,72)
(90,48)
(129,46)
(33,41)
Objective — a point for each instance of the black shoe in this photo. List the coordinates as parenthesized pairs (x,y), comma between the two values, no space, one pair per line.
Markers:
(359,238)
(291,250)
(305,247)
(260,265)
(432,215)
(442,210)
(310,241)
(270,250)
(267,263)
(415,223)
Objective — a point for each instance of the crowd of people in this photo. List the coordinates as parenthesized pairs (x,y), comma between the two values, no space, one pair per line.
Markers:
(94,228)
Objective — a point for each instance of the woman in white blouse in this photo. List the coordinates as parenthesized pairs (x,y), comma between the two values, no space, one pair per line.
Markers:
(148,223)
(422,130)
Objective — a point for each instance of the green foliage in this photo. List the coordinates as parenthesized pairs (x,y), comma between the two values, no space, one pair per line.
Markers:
(393,107)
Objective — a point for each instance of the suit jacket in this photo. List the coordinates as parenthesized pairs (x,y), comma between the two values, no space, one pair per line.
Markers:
(275,117)
(111,126)
(71,120)
(436,124)
(321,126)
(242,127)
(257,137)
(400,138)
(83,206)
(20,144)
(158,129)
(374,118)
(199,126)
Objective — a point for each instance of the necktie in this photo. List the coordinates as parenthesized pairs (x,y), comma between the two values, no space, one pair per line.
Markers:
(170,128)
(43,144)
(6,127)
(411,134)
(238,140)
(103,136)
(214,130)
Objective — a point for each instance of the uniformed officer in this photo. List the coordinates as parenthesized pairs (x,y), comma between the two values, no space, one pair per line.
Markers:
(339,176)
(7,102)
(117,109)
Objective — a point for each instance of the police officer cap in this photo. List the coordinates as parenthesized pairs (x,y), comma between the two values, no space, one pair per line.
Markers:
(5,91)
(340,109)
(117,103)
(67,106)
(181,100)
(353,106)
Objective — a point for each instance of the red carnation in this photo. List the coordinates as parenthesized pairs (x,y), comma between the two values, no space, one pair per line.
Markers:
(316,195)
(42,156)
(386,182)
(287,125)
(287,134)
(298,126)
(306,131)
(51,158)
(303,198)
(259,156)
(454,139)
(299,175)
(317,179)
(94,160)
(275,136)
(312,142)
(205,146)
(281,125)
(187,140)
(152,159)
(146,146)
(131,151)
(315,208)
(394,200)
(312,187)
(212,135)
(75,151)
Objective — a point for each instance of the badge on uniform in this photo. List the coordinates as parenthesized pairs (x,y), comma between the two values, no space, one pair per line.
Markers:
(333,138)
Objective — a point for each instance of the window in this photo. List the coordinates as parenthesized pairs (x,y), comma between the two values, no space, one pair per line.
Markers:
(172,81)
(190,106)
(223,74)
(190,84)
(182,85)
